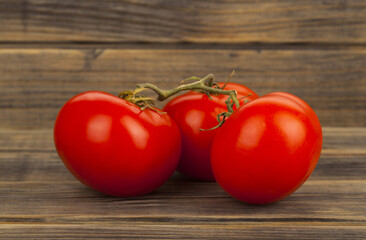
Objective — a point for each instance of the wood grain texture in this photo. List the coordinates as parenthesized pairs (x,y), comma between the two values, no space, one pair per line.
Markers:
(28,154)
(41,200)
(51,50)
(181,210)
(35,83)
(330,21)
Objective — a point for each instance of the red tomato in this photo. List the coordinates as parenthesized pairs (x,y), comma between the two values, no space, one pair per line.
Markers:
(267,149)
(194,111)
(114,147)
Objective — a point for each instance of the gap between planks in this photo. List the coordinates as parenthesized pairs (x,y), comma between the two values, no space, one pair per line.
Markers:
(184,45)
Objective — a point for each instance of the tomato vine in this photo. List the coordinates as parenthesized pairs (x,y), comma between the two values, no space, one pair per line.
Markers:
(205,85)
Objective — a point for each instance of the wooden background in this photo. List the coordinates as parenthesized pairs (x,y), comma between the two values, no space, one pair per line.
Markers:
(51,50)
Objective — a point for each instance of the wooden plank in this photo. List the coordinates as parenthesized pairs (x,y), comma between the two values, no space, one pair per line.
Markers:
(41,200)
(36,82)
(220,21)
(331,201)
(26,155)
(133,230)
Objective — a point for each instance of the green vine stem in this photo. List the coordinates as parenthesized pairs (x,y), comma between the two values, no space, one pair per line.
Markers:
(205,85)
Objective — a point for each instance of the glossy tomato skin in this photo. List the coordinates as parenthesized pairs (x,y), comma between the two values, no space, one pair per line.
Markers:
(113,147)
(194,111)
(267,149)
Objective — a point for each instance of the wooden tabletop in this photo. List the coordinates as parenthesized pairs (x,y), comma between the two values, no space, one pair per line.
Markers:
(41,199)
(52,50)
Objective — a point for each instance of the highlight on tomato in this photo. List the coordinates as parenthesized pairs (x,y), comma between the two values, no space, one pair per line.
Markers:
(194,111)
(267,148)
(114,146)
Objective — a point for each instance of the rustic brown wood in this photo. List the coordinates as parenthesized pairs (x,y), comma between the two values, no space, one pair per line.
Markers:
(34,83)
(40,199)
(181,210)
(51,50)
(336,21)
(29,154)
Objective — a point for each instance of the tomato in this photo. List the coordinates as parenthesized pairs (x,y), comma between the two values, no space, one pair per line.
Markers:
(194,111)
(267,148)
(112,146)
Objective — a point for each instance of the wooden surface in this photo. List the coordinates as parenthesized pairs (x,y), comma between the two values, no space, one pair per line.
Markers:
(35,82)
(51,50)
(40,199)
(230,21)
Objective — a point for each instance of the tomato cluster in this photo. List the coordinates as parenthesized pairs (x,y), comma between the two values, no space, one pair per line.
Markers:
(264,151)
